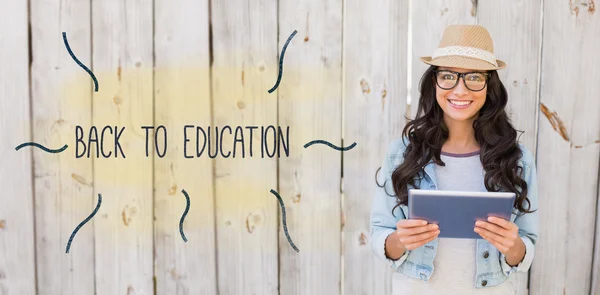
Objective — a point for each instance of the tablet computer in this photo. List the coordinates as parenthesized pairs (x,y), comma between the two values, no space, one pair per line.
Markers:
(456,212)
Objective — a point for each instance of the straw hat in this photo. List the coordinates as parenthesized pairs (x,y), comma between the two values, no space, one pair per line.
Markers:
(467,47)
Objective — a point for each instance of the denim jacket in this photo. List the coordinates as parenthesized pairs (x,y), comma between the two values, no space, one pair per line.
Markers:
(491,266)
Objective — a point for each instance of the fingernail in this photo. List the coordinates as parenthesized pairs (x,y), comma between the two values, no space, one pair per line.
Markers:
(491,218)
(434,226)
(423,222)
(478,223)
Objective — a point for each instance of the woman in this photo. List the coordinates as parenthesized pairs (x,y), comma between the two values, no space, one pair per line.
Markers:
(461,139)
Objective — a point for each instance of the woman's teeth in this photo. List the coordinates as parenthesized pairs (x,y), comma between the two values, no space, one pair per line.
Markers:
(460,102)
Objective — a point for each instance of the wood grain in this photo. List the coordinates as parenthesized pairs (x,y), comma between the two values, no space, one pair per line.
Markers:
(17,249)
(244,68)
(375,89)
(62,99)
(123,62)
(182,97)
(310,102)
(568,169)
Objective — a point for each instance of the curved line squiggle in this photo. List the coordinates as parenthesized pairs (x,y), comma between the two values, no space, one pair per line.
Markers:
(331,145)
(64,34)
(187,208)
(281,61)
(45,149)
(284,222)
(84,222)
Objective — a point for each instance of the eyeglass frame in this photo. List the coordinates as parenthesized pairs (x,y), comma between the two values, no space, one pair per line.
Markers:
(486,74)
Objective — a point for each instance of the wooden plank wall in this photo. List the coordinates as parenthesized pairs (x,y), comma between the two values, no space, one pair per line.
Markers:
(374,105)
(62,99)
(568,148)
(123,61)
(348,72)
(244,68)
(182,97)
(310,102)
(17,223)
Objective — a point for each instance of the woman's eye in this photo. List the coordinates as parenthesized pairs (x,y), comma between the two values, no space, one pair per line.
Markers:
(475,78)
(448,77)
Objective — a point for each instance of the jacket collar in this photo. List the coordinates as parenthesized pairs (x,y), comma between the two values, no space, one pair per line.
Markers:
(429,169)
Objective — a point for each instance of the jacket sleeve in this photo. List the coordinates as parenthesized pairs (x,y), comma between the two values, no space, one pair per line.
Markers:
(528,222)
(383,223)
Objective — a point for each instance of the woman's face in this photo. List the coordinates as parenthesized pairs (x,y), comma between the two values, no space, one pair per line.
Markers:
(459,103)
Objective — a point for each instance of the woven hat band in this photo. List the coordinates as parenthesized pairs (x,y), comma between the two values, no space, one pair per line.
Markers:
(467,52)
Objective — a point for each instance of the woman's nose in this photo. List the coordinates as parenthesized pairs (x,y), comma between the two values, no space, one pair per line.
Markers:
(460,87)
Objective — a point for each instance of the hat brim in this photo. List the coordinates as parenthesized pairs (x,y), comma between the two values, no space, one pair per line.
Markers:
(463,62)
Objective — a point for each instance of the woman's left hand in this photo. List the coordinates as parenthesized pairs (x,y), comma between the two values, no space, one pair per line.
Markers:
(504,235)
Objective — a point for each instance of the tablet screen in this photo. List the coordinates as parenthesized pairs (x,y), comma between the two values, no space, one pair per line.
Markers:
(456,212)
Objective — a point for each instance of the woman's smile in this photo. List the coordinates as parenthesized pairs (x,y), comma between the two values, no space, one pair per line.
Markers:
(460,104)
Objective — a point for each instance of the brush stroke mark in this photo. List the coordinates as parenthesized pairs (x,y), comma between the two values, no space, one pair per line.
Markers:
(555,121)
(281,61)
(187,208)
(64,34)
(45,149)
(84,222)
(331,145)
(284,222)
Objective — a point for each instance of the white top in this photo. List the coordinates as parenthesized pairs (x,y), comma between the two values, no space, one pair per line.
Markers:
(454,263)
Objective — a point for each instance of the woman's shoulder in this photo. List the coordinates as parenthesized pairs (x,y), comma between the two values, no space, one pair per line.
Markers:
(527,156)
(398,146)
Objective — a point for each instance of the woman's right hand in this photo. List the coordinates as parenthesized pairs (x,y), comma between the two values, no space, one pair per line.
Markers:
(410,234)
(414,233)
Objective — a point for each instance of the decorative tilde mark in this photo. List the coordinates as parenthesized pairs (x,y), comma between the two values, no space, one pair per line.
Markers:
(331,145)
(281,61)
(185,212)
(284,221)
(84,222)
(45,149)
(64,34)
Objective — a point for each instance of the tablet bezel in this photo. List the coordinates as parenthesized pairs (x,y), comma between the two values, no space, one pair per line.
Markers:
(504,197)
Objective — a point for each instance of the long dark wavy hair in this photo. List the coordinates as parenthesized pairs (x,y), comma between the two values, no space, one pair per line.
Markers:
(499,153)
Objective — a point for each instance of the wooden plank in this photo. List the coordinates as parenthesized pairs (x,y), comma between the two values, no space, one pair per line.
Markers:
(519,47)
(17,257)
(182,64)
(61,97)
(244,68)
(568,149)
(310,102)
(122,61)
(595,288)
(374,108)
(429,19)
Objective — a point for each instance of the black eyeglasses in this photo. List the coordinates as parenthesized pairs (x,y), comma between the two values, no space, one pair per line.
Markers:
(474,81)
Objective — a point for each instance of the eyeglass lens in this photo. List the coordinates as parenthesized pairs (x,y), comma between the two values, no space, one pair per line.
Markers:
(448,80)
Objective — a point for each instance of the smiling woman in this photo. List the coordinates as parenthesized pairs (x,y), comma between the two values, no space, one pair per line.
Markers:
(460,140)
(237,139)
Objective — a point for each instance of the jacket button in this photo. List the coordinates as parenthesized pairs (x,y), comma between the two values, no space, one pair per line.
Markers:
(486,254)
(483,283)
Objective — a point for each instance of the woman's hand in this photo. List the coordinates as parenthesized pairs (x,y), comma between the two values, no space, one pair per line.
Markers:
(414,233)
(504,235)
(410,234)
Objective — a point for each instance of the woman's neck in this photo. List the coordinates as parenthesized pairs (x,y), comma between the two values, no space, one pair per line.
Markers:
(461,137)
